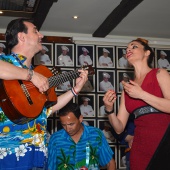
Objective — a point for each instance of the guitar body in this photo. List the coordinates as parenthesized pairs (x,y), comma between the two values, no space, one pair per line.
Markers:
(21,106)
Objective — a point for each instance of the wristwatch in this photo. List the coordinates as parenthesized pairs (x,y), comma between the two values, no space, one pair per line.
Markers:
(107,112)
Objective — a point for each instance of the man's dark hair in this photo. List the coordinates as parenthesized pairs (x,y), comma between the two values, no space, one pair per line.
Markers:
(70,107)
(13,28)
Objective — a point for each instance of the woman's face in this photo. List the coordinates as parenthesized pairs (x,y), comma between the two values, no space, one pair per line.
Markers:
(135,51)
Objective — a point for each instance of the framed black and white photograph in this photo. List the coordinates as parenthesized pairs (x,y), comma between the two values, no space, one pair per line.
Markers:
(85,55)
(89,86)
(87,104)
(3,48)
(162,58)
(107,130)
(50,126)
(45,56)
(122,157)
(121,58)
(58,125)
(105,56)
(101,108)
(58,93)
(118,101)
(65,79)
(114,149)
(64,55)
(123,75)
(106,80)
(89,122)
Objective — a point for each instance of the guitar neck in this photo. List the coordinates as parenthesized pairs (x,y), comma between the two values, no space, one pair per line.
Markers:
(62,78)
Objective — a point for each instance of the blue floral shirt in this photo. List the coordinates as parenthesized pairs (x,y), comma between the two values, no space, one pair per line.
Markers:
(64,153)
(22,146)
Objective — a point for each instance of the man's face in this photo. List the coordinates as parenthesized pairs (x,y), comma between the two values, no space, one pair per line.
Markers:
(85,53)
(71,124)
(105,54)
(124,55)
(162,56)
(64,52)
(105,79)
(43,51)
(33,38)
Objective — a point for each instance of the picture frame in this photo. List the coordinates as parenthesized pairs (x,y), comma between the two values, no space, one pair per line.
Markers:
(101,113)
(114,149)
(121,75)
(122,157)
(104,85)
(108,60)
(80,59)
(89,122)
(47,58)
(50,126)
(5,50)
(58,93)
(58,125)
(66,85)
(121,59)
(118,101)
(64,59)
(164,62)
(89,85)
(87,104)
(106,128)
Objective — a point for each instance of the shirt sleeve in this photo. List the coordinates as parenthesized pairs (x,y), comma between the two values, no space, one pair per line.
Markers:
(106,153)
(52,162)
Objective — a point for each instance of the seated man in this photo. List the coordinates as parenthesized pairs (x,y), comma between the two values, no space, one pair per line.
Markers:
(78,146)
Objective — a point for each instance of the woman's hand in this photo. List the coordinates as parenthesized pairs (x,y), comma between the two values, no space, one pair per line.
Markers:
(133,89)
(109,99)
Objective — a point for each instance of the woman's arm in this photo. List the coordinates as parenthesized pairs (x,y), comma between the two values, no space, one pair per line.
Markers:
(118,121)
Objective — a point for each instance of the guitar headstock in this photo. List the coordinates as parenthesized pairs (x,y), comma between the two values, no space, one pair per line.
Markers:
(89,68)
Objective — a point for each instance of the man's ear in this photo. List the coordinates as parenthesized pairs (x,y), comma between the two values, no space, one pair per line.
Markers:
(21,36)
(81,118)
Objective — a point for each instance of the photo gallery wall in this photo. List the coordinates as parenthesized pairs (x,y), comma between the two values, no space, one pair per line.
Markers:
(108,67)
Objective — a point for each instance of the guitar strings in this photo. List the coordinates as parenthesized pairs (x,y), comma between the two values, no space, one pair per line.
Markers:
(57,80)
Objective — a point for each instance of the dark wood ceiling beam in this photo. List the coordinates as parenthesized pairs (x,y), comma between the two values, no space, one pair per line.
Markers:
(42,11)
(117,15)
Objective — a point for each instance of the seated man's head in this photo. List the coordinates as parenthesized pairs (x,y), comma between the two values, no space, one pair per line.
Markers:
(71,118)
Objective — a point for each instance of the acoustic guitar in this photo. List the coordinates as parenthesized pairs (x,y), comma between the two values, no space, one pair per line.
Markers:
(22,102)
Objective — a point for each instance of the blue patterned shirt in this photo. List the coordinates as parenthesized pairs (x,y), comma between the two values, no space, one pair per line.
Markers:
(22,147)
(64,153)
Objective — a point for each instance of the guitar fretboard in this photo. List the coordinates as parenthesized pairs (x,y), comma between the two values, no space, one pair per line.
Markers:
(64,77)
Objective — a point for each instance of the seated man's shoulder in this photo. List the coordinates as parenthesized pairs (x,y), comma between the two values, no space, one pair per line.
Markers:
(94,130)
(57,134)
